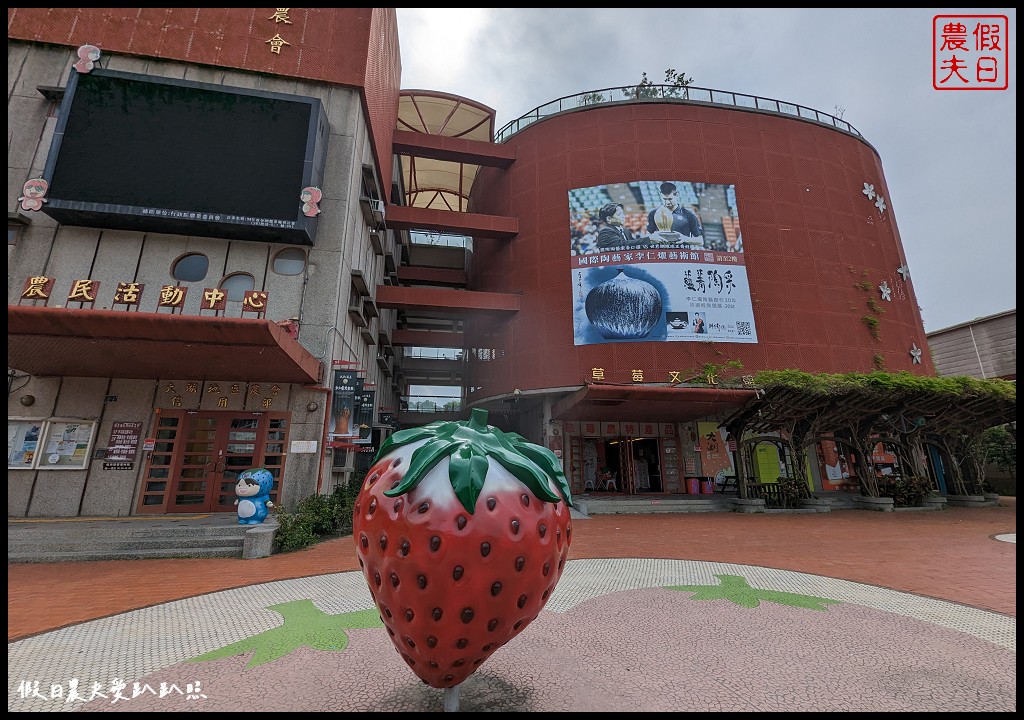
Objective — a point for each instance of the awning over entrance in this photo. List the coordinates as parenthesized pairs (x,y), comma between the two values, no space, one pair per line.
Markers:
(107,343)
(674,403)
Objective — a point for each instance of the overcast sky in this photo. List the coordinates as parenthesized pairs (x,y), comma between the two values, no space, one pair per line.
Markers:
(949,157)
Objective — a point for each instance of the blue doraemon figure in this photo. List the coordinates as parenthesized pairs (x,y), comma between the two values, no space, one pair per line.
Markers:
(253,491)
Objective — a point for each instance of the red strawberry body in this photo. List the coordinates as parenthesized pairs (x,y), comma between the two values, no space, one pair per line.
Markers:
(453,586)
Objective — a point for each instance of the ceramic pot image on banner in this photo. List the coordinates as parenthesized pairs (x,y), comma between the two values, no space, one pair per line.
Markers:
(624,308)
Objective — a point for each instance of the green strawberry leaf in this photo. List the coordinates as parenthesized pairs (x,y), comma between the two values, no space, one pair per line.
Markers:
(467,471)
(528,474)
(735,589)
(404,437)
(305,625)
(423,460)
(547,460)
(470,446)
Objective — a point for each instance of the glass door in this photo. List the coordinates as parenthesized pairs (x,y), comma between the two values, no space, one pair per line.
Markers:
(199,456)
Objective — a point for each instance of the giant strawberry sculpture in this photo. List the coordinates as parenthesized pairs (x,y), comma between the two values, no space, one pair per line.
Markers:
(462,532)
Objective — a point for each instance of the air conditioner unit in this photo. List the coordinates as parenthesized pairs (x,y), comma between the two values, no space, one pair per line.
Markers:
(373,211)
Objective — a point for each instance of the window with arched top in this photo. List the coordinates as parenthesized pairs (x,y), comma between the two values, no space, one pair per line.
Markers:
(290,261)
(191,267)
(236,286)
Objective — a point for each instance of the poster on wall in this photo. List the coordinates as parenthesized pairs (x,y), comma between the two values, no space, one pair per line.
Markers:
(22,442)
(715,458)
(658,260)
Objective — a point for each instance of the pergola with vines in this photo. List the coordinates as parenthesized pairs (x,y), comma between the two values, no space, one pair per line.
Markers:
(796,410)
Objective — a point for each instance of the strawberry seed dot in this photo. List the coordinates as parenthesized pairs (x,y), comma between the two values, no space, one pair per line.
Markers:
(518,625)
(421,580)
(372,479)
(431,642)
(438,612)
(409,642)
(433,664)
(485,549)
(435,543)
(373,506)
(487,647)
(459,663)
(457,572)
(495,589)
(364,541)
(491,503)
(448,678)
(395,484)
(547,569)
(394,580)
(542,529)
(462,643)
(491,624)
(545,595)
(398,504)
(384,542)
(405,548)
(521,602)
(525,500)
(461,521)
(396,462)
(424,506)
(467,615)
(376,578)
(520,563)
(478,661)
(515,527)
(387,611)
(409,615)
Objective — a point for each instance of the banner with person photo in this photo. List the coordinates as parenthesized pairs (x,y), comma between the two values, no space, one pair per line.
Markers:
(658,260)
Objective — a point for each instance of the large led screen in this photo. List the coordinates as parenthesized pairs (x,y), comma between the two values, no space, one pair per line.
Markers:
(658,261)
(137,152)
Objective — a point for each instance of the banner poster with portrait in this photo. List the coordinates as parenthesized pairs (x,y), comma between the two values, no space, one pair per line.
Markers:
(658,260)
(343,424)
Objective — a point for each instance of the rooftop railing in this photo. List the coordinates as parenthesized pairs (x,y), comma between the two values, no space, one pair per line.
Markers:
(607,96)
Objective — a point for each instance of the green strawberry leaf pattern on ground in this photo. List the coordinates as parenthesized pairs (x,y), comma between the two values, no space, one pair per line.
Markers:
(305,625)
(735,589)
(471,446)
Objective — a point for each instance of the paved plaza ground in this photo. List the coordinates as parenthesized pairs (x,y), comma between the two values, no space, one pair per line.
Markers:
(852,610)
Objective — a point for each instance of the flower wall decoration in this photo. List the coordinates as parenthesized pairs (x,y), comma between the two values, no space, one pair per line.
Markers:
(886,291)
(915,354)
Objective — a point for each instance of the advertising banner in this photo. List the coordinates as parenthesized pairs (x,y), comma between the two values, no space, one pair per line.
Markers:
(658,261)
(343,424)
(364,401)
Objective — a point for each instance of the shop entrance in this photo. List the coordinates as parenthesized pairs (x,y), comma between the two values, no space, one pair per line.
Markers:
(198,457)
(634,463)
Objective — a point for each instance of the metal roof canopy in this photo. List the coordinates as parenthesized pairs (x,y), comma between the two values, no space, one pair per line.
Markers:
(64,342)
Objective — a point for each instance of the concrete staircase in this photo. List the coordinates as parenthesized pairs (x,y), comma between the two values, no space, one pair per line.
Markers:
(647,504)
(128,538)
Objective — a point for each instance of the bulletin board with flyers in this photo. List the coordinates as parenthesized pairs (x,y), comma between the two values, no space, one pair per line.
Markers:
(49,444)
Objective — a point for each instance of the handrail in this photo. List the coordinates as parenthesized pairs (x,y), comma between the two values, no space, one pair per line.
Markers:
(692,94)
